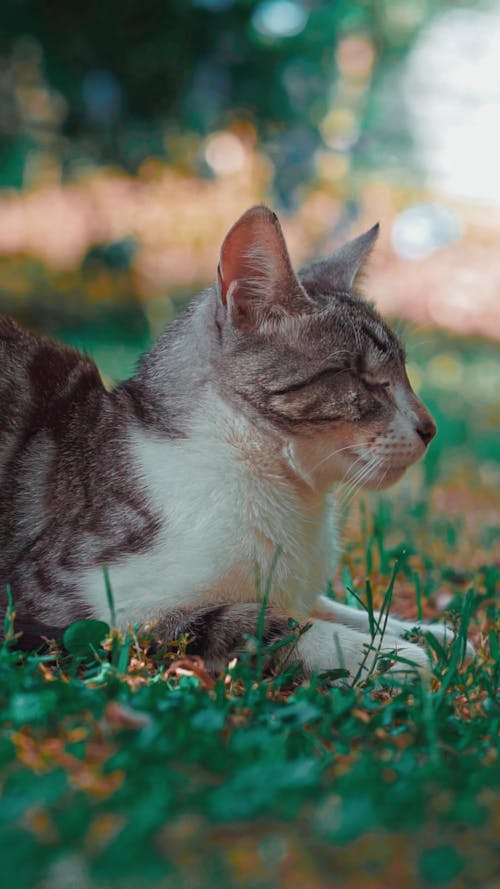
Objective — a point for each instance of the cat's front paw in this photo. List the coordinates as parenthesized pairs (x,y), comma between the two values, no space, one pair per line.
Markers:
(442,632)
(328,646)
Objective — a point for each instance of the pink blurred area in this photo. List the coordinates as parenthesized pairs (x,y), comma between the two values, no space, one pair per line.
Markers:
(414,145)
(177,222)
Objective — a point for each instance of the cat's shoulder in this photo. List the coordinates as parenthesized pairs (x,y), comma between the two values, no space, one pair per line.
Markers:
(42,375)
(11,333)
(40,356)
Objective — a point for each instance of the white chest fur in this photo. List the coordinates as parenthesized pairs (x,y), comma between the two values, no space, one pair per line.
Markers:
(229,511)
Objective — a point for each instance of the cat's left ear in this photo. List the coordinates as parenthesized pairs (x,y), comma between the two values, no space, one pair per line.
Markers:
(255,276)
(340,270)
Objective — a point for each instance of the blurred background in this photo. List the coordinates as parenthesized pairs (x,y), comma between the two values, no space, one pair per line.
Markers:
(134,133)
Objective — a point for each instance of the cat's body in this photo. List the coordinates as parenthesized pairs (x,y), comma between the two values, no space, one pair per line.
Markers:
(211,468)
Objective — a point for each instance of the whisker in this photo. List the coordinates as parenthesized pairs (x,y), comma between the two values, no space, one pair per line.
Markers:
(345,477)
(353,484)
(338,353)
(338,451)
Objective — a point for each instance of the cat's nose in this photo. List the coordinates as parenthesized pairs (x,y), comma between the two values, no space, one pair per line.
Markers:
(426,430)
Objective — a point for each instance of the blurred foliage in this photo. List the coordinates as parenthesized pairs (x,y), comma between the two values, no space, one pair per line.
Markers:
(125,81)
(133,134)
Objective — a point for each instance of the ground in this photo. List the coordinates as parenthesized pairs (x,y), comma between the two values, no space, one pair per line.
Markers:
(125,766)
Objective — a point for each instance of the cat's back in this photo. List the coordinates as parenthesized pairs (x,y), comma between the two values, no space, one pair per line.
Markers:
(19,350)
(62,463)
(38,380)
(16,349)
(49,394)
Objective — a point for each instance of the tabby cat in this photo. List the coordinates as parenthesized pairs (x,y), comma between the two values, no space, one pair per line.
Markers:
(224,446)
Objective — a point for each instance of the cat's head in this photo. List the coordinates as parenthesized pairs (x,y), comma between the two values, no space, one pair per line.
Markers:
(304,353)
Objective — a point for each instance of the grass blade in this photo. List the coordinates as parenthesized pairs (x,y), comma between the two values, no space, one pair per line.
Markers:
(109,596)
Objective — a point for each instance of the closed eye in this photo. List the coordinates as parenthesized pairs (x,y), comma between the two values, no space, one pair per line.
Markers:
(377,384)
(302,384)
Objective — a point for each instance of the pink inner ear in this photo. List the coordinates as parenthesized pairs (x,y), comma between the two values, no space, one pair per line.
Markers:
(252,250)
(254,261)
(222,286)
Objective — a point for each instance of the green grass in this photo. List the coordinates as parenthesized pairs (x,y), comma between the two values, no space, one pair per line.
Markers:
(125,767)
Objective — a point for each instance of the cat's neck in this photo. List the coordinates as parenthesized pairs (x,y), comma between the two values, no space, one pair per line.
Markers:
(176,394)
(173,377)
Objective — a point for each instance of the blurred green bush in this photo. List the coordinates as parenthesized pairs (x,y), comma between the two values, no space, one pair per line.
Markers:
(119,81)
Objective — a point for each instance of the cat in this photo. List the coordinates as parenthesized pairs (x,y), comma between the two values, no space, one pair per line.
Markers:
(213,464)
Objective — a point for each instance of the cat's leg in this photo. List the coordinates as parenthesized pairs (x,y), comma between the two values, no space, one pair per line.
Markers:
(328,645)
(358,619)
(218,633)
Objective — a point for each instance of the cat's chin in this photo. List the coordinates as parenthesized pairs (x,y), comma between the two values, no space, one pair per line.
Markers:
(385,478)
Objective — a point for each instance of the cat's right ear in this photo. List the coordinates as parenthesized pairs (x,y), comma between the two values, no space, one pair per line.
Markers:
(255,276)
(339,271)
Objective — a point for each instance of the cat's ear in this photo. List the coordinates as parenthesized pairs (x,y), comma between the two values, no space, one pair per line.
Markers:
(340,270)
(255,276)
